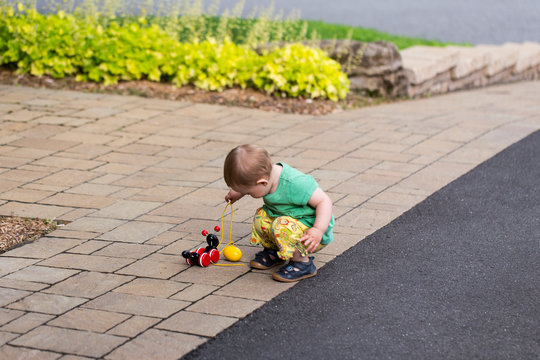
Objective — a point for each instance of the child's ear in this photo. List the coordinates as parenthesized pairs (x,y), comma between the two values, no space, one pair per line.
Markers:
(262,181)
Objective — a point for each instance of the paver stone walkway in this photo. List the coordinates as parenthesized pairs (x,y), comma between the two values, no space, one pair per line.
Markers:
(136,180)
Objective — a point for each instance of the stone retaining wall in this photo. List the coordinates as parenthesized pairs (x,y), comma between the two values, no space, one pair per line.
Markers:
(379,68)
(375,68)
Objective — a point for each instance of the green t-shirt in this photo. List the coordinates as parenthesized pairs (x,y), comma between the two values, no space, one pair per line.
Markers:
(291,199)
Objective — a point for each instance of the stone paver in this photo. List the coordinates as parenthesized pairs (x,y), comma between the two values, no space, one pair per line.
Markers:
(138,179)
(7,315)
(249,287)
(136,232)
(11,352)
(154,269)
(214,275)
(41,274)
(10,295)
(26,195)
(26,322)
(94,224)
(88,247)
(33,210)
(67,178)
(197,323)
(21,285)
(127,250)
(137,305)
(134,326)
(47,303)
(9,264)
(69,341)
(157,344)
(88,284)
(195,292)
(128,210)
(89,320)
(226,306)
(44,248)
(74,200)
(87,262)
(152,287)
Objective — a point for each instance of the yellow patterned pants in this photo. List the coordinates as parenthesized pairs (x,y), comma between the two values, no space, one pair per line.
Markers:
(280,233)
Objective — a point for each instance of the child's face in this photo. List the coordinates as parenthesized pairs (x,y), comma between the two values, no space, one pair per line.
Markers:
(256,191)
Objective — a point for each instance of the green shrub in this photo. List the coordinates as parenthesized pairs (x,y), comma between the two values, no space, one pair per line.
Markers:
(297,70)
(107,50)
(40,45)
(213,66)
(124,53)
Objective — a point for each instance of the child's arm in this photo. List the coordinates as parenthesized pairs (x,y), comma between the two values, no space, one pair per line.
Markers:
(233,196)
(323,214)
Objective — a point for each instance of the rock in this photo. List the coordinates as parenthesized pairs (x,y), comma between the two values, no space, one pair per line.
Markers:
(360,58)
(501,59)
(528,55)
(471,80)
(470,60)
(435,85)
(374,68)
(422,63)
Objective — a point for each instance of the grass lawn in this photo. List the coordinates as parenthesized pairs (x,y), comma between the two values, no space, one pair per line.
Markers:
(337,31)
(240,29)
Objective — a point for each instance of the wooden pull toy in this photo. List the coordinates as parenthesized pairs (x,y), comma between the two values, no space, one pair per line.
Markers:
(204,256)
(210,254)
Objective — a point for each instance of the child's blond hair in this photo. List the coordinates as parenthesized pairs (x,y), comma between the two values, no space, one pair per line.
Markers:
(246,164)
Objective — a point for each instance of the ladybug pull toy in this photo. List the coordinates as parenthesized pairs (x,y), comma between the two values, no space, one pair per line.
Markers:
(210,254)
(204,256)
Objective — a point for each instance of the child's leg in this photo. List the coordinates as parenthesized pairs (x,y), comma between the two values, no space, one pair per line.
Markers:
(261,230)
(261,233)
(288,232)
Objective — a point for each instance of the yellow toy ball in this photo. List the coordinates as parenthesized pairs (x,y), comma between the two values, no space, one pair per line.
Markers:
(232,253)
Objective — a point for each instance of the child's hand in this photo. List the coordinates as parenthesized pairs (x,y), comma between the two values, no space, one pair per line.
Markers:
(233,196)
(311,239)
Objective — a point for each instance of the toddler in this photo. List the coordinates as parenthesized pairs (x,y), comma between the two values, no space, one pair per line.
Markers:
(296,218)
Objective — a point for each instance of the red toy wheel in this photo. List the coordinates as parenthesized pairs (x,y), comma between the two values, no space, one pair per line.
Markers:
(214,255)
(200,251)
(204,260)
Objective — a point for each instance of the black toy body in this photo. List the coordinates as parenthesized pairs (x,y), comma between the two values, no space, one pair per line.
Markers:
(204,256)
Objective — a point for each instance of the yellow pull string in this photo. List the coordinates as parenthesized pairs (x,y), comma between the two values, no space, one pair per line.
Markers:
(230,227)
(230,234)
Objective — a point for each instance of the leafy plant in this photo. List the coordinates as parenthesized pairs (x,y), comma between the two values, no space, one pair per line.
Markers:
(213,66)
(108,50)
(124,53)
(297,70)
(38,45)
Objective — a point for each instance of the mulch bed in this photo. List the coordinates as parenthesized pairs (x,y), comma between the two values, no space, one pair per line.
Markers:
(16,230)
(248,98)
